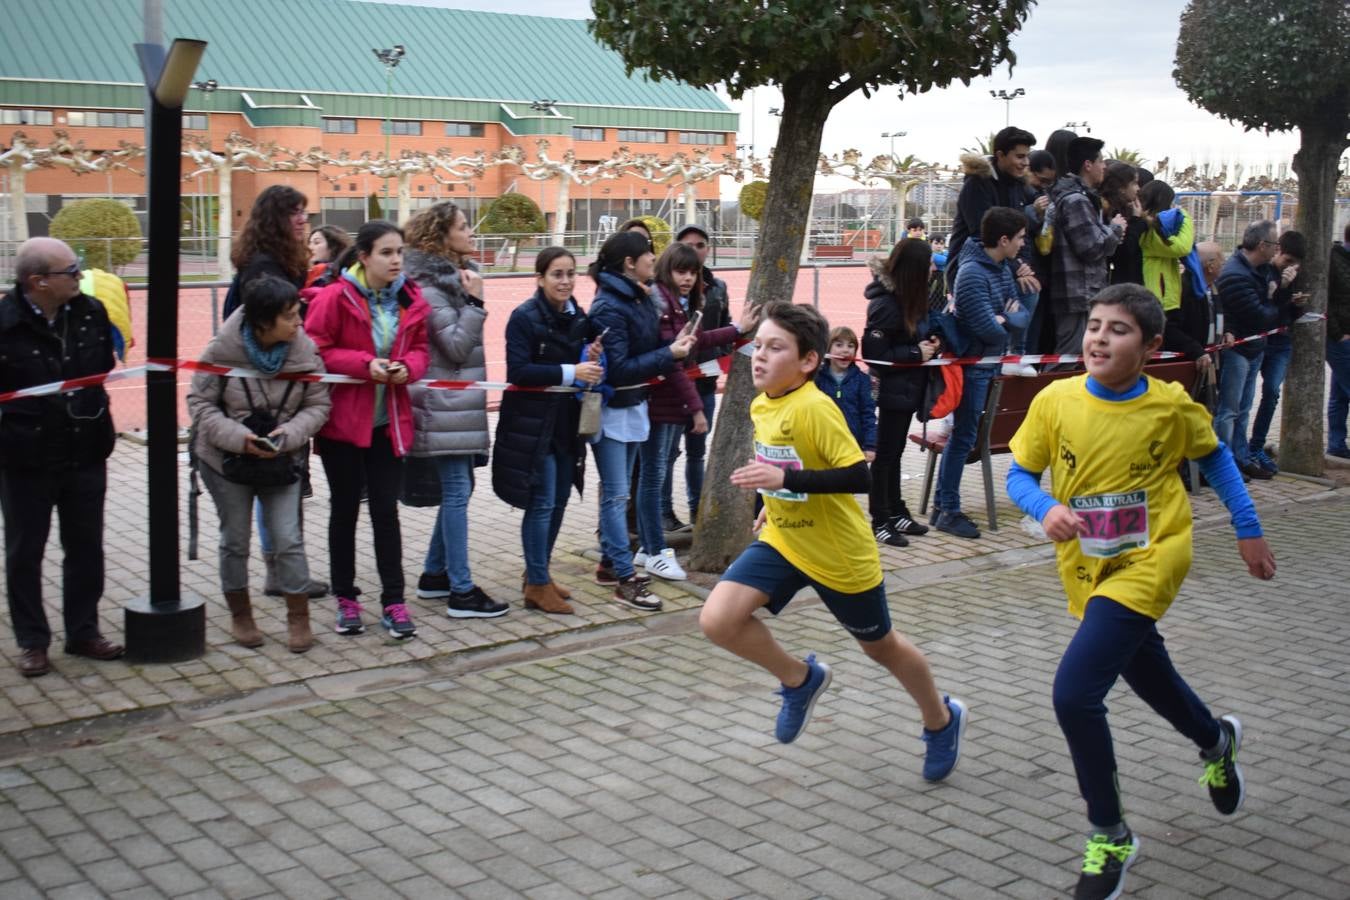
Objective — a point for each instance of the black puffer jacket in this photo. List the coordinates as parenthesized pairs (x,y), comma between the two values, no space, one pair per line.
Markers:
(539,342)
(59,431)
(885,338)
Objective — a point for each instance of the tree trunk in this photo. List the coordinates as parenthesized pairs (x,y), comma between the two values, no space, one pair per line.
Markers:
(690,203)
(560,217)
(1303,416)
(18,203)
(726,512)
(223,240)
(404,198)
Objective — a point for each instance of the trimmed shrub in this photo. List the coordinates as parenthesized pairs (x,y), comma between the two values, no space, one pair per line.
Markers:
(661,233)
(513,214)
(752,199)
(104,233)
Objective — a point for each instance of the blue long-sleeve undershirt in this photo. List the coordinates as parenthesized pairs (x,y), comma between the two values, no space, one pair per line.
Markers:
(1218,467)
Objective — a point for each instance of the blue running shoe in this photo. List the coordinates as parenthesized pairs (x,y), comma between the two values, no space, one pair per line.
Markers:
(944,747)
(799,701)
(397,622)
(1262,459)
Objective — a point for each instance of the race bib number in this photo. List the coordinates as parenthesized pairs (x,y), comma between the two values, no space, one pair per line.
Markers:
(785,458)
(1114,523)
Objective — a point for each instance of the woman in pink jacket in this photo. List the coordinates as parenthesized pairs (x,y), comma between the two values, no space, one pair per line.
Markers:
(371,324)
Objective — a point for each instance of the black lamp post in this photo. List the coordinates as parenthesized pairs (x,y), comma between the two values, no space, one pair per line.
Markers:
(166,626)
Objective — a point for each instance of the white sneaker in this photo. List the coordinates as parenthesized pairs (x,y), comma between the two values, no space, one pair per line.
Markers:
(1019,370)
(666,566)
(639,558)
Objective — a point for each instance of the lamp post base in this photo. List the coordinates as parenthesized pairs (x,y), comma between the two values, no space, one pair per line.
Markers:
(161,634)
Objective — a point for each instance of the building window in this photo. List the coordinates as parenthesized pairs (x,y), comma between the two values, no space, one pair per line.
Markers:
(339,126)
(589,134)
(641,136)
(704,138)
(194,122)
(461,129)
(26,117)
(91,119)
(402,126)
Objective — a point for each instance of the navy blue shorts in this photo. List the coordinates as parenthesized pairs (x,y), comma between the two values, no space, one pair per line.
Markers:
(866,615)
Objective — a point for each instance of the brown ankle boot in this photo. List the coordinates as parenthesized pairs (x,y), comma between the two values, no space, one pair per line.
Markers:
(561,591)
(242,627)
(543,598)
(298,636)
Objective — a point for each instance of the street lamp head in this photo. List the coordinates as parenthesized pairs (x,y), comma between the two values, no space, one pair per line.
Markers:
(206,87)
(390,58)
(775,111)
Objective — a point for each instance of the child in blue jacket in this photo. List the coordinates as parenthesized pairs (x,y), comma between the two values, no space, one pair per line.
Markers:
(841,380)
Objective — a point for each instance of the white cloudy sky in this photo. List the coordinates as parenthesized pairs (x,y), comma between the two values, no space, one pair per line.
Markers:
(1109,64)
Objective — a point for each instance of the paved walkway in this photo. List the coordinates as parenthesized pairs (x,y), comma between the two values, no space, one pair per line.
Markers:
(622,755)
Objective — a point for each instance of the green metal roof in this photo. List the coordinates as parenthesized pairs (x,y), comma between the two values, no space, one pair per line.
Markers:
(324,47)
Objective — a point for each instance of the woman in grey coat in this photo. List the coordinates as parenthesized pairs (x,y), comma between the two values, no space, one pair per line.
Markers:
(450,426)
(263,334)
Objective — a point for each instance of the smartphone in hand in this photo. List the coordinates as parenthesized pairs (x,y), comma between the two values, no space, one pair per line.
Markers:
(268,442)
(691,326)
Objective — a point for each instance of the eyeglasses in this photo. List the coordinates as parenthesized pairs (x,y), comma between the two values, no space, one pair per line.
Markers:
(697,245)
(73,270)
(1271,243)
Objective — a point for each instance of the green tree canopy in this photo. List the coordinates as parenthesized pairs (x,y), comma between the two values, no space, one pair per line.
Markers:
(513,214)
(104,233)
(1277,67)
(818,54)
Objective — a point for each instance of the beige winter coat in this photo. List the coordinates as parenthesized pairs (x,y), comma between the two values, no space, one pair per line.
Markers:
(217,404)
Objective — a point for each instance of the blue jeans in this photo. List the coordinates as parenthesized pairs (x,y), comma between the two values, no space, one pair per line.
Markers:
(1017,337)
(448,551)
(1338,401)
(544,515)
(654,452)
(696,450)
(965,429)
(1237,388)
(1114,642)
(1274,364)
(264,535)
(614,460)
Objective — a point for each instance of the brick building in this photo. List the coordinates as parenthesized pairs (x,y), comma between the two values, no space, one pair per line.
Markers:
(302,74)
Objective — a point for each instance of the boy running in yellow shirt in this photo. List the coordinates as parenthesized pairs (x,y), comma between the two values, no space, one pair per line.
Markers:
(1113,439)
(807,466)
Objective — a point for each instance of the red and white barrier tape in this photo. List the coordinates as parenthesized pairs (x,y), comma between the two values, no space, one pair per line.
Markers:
(710,368)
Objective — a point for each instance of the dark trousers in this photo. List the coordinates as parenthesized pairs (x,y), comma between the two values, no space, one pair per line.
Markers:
(27,497)
(347,468)
(892,431)
(1116,642)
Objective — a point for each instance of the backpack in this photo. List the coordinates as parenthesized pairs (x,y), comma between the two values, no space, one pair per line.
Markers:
(941,392)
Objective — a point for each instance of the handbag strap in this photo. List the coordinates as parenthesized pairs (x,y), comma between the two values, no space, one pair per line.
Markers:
(276,413)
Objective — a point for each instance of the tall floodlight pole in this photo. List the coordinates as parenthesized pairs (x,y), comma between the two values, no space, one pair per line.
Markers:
(166,626)
(895,200)
(390,59)
(1007,98)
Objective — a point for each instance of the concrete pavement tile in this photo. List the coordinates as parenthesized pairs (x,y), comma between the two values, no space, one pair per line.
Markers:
(769,883)
(174,878)
(51,871)
(298,883)
(112,875)
(23,842)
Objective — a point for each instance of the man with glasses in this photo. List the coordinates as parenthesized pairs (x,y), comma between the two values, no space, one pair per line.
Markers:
(54,450)
(1247,286)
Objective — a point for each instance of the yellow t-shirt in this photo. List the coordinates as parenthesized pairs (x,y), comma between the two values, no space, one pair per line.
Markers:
(824,535)
(1114,463)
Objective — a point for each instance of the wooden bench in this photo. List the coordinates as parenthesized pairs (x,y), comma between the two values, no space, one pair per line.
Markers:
(832,251)
(1006,407)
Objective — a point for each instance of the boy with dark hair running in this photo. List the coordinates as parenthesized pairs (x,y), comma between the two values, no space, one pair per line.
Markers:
(814,534)
(1112,439)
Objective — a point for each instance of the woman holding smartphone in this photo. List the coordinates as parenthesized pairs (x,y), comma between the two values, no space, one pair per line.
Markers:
(538,456)
(372,324)
(262,334)
(675,403)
